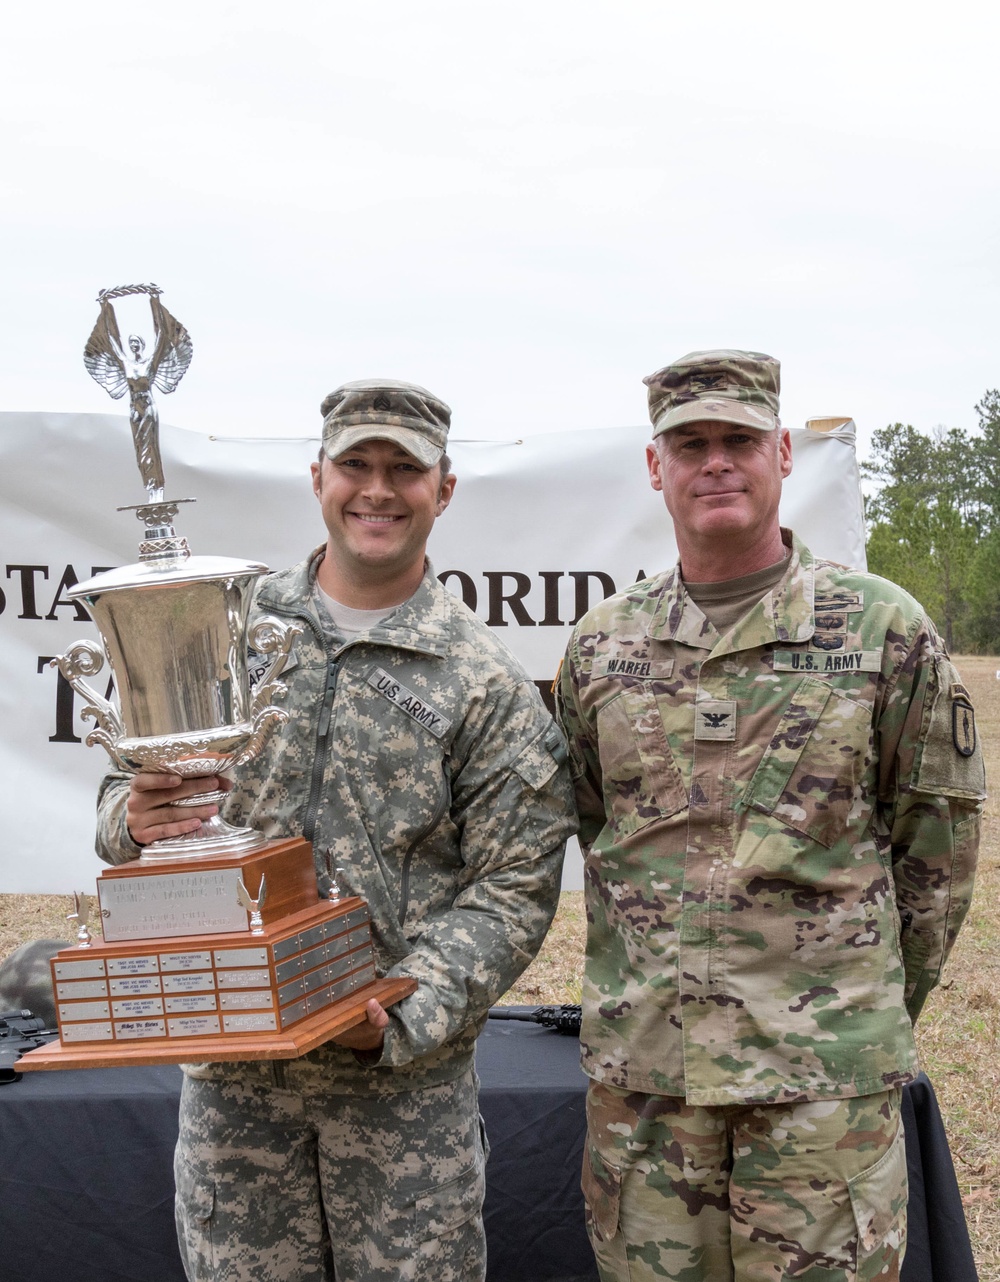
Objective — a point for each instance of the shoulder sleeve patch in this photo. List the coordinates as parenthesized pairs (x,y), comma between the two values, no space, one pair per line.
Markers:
(963,722)
(539,761)
(951,762)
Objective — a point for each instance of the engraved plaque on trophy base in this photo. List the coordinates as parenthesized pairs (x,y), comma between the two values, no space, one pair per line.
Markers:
(198,896)
(276,993)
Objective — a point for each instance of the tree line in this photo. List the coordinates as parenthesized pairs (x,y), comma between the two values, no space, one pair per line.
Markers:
(933,518)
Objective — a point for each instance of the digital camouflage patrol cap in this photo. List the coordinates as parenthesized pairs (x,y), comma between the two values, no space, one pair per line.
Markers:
(727,386)
(384,409)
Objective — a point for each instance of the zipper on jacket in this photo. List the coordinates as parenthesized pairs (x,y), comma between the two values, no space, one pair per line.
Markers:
(325,718)
(322,746)
(404,877)
(319,769)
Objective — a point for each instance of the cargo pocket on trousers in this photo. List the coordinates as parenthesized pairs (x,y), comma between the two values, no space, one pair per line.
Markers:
(444,1209)
(602,1190)
(441,1210)
(194,1211)
(878,1200)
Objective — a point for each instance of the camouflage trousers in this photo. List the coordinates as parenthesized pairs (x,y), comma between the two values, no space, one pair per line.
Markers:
(814,1191)
(278,1185)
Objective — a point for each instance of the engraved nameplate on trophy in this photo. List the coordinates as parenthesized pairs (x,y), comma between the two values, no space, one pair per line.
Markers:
(179,903)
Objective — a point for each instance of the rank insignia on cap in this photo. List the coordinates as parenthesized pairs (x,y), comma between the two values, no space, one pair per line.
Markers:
(963,721)
(381,402)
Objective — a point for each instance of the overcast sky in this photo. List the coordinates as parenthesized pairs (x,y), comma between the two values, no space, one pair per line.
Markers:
(524,206)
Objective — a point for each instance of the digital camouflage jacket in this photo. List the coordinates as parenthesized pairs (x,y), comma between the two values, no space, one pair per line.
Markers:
(779,828)
(422,758)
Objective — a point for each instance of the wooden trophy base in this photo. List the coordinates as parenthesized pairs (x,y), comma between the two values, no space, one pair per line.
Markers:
(275,992)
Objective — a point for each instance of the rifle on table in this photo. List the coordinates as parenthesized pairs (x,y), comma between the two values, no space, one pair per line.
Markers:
(20,1032)
(564,1019)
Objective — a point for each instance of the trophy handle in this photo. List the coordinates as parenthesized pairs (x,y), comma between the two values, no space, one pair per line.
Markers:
(268,636)
(85,659)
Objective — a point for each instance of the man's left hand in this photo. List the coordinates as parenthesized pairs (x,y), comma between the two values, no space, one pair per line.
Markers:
(367,1036)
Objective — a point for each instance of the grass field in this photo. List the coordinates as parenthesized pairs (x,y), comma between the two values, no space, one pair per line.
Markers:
(959,1030)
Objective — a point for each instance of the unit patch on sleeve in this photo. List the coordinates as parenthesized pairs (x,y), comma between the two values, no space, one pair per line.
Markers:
(963,721)
(408,702)
(715,719)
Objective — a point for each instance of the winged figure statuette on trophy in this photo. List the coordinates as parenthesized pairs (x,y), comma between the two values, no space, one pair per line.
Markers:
(119,371)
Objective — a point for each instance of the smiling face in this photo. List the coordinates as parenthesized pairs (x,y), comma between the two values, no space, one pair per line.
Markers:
(379,505)
(722,486)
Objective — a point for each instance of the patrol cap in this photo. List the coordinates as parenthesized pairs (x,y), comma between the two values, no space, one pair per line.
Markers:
(728,386)
(384,409)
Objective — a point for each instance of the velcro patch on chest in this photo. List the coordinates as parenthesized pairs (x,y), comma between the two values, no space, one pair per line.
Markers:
(715,719)
(825,663)
(841,602)
(419,709)
(651,669)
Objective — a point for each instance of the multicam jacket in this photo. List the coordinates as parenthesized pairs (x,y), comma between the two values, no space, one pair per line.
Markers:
(423,759)
(779,828)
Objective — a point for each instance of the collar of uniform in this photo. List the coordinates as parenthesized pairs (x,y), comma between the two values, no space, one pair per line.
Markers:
(784,614)
(677,618)
(422,623)
(290,591)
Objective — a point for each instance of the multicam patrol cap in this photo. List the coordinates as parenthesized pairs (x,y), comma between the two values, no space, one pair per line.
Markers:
(728,386)
(384,409)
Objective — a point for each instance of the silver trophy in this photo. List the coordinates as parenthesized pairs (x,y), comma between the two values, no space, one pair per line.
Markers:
(174,626)
(193,964)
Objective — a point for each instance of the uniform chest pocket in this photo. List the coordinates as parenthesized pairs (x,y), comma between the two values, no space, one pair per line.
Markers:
(391,761)
(641,778)
(817,757)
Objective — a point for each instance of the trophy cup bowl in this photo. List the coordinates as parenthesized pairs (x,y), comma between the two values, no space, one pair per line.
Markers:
(176,637)
(190,966)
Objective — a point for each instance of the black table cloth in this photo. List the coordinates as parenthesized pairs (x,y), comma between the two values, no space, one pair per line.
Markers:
(86,1186)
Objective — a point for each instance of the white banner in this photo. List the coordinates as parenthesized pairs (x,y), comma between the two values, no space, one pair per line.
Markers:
(539,529)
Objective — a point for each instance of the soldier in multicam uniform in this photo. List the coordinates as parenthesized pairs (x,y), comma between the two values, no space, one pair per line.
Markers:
(779,788)
(419,755)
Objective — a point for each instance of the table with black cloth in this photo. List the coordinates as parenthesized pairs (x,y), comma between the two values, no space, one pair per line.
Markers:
(86,1183)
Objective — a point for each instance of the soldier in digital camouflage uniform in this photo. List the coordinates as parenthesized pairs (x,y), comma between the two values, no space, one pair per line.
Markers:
(420,756)
(779,789)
